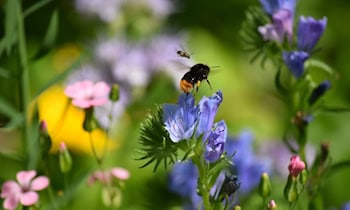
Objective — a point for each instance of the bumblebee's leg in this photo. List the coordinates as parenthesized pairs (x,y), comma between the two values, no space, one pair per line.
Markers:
(209,84)
(197,85)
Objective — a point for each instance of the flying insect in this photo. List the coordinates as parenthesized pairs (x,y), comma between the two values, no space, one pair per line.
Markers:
(184,54)
(193,78)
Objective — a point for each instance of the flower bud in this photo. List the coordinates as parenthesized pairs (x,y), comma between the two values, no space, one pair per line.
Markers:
(303,177)
(290,190)
(271,205)
(64,158)
(111,197)
(295,166)
(114,94)
(90,123)
(264,186)
(236,207)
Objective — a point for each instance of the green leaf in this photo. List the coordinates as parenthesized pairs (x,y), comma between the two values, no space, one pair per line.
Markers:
(281,89)
(318,70)
(15,116)
(50,36)
(10,37)
(35,7)
(156,145)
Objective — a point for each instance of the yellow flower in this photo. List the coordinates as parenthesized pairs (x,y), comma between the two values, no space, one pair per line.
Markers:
(65,124)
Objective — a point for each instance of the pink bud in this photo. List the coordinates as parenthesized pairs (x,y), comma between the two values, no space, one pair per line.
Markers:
(271,205)
(43,127)
(63,146)
(295,166)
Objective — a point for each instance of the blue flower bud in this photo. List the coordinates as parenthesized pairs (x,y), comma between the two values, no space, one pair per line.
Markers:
(215,142)
(295,61)
(319,91)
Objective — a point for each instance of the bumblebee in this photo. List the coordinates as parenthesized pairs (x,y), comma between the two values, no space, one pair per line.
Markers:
(194,77)
(184,54)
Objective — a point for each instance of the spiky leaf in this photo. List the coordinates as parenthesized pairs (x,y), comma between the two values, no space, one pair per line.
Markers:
(156,145)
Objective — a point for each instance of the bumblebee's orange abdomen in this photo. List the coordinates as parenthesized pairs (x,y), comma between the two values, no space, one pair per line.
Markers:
(186,86)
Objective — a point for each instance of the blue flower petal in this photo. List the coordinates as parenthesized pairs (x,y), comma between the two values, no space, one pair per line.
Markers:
(215,142)
(180,120)
(295,62)
(309,32)
(208,108)
(319,91)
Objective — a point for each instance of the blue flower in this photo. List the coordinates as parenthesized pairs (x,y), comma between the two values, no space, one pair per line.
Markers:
(346,206)
(183,180)
(295,61)
(208,108)
(215,142)
(271,6)
(319,91)
(248,166)
(180,119)
(309,32)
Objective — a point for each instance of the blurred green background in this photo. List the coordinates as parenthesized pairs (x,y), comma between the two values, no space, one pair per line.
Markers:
(249,95)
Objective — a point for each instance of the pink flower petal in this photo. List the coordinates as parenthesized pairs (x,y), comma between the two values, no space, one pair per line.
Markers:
(82,103)
(25,177)
(29,198)
(9,188)
(120,173)
(39,183)
(101,89)
(11,202)
(98,101)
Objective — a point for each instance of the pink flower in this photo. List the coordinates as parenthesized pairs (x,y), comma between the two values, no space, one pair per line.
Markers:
(86,94)
(107,176)
(295,166)
(24,191)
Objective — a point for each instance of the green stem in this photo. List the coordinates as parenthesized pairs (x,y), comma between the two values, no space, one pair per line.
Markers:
(106,142)
(24,84)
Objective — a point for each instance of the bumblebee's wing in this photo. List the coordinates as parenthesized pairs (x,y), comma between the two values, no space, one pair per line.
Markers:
(180,65)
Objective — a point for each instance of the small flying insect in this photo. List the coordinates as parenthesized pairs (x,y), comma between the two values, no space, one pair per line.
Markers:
(193,78)
(183,53)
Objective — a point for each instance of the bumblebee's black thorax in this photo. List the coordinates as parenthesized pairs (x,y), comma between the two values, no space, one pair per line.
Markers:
(197,73)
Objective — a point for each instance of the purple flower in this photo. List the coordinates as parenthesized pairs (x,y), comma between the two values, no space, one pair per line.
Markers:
(106,10)
(23,192)
(282,12)
(208,107)
(215,142)
(180,119)
(282,26)
(309,32)
(271,6)
(319,91)
(295,62)
(249,167)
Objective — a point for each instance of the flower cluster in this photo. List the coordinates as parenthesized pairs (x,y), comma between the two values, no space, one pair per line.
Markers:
(309,31)
(185,120)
